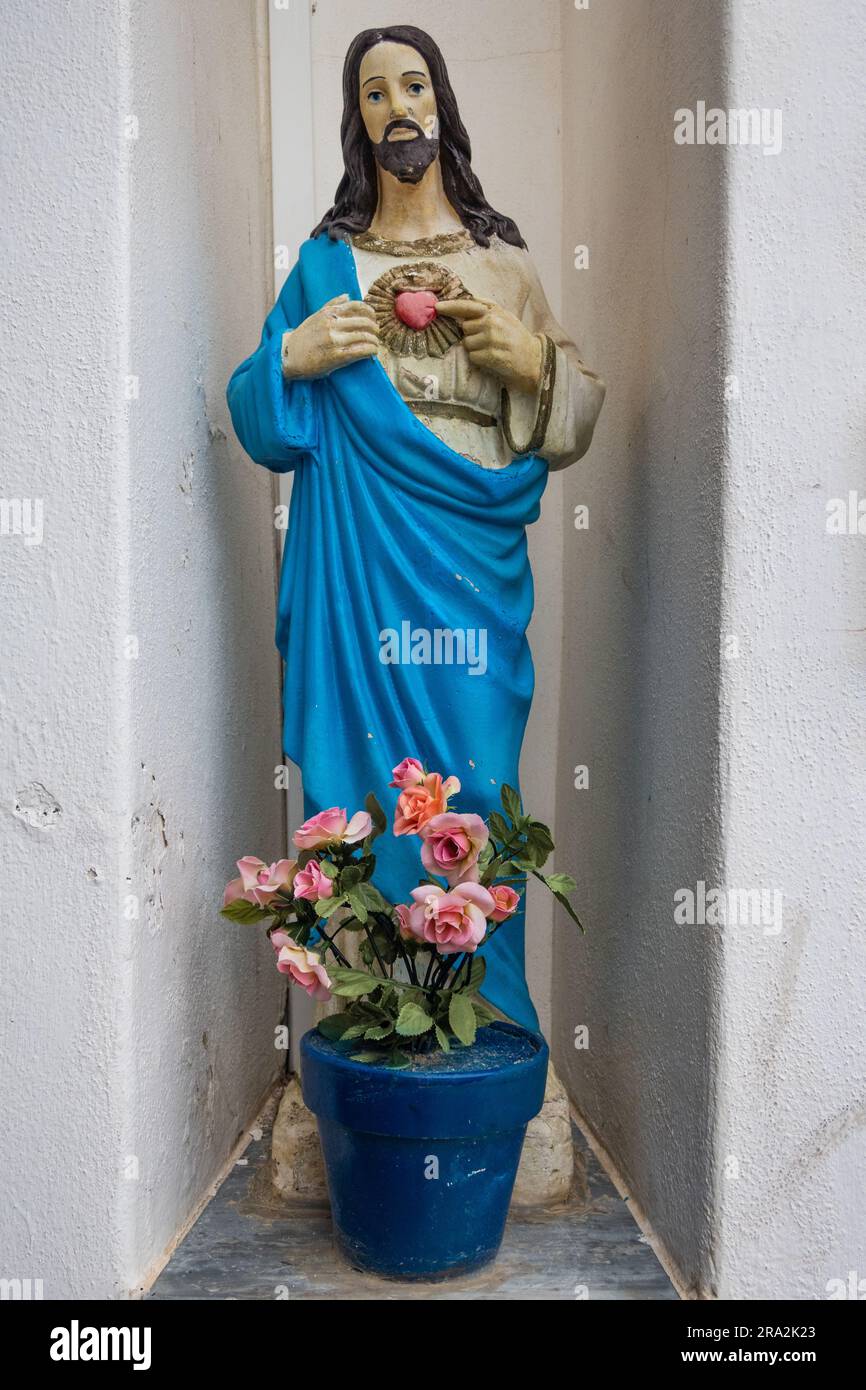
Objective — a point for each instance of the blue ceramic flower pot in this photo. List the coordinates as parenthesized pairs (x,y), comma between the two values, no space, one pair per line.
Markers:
(421,1162)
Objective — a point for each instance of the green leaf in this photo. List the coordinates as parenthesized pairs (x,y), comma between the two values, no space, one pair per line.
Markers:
(352,874)
(328,869)
(326,907)
(477,973)
(247,913)
(538,833)
(397,1060)
(357,905)
(524,866)
(539,844)
(371,898)
(356,1030)
(379,1031)
(483,1013)
(368,1056)
(561,898)
(377,816)
(385,941)
(334,1026)
(442,1039)
(511,803)
(461,1017)
(559,895)
(351,984)
(560,883)
(497,826)
(412,1020)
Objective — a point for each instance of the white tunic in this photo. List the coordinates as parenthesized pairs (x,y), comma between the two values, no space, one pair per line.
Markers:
(505,275)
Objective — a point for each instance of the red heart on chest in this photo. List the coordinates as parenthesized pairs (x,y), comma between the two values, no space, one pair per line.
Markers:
(416,308)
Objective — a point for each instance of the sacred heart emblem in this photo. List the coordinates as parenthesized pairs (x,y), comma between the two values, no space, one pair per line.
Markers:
(411,307)
(416,308)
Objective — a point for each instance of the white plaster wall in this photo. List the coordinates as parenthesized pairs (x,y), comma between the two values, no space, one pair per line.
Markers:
(792,1142)
(62,680)
(133,1051)
(639,703)
(504,60)
(725,302)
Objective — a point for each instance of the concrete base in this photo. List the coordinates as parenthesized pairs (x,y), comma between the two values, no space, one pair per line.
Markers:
(298,1170)
(546,1171)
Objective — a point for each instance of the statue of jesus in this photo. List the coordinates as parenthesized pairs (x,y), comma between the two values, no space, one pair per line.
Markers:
(413,377)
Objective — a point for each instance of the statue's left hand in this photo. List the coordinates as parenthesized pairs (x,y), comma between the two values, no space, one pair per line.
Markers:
(498,342)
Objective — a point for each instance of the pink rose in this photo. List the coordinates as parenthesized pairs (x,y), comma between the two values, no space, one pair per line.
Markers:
(331,826)
(407,774)
(280,938)
(452,844)
(234,890)
(302,966)
(312,883)
(451,921)
(404,925)
(305,969)
(260,882)
(419,804)
(506,902)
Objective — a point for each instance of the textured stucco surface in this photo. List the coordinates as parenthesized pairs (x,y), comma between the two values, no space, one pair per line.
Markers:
(504,61)
(133,1049)
(639,703)
(713,677)
(792,1142)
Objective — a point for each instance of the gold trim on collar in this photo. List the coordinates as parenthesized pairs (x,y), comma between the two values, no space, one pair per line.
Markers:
(442,245)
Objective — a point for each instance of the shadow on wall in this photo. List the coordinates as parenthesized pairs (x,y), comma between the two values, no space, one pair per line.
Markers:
(635,999)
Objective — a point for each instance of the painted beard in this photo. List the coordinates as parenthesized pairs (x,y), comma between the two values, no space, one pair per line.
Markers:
(407,160)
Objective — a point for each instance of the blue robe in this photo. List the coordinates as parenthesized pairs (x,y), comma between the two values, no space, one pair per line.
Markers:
(390,526)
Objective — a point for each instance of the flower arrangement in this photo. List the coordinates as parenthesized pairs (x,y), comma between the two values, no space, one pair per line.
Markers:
(420,988)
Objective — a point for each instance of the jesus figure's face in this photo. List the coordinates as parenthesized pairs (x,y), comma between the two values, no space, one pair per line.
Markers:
(398,107)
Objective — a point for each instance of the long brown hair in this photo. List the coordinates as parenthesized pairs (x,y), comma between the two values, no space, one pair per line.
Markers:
(357,193)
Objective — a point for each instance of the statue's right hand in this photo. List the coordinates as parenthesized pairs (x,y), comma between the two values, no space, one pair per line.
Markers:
(344,330)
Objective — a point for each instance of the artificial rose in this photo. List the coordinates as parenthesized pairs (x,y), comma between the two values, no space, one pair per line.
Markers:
(419,804)
(234,890)
(407,774)
(451,921)
(305,969)
(331,826)
(260,882)
(506,902)
(280,938)
(312,883)
(452,844)
(404,925)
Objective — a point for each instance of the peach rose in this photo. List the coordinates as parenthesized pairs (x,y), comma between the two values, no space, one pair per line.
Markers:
(506,901)
(331,826)
(452,844)
(419,804)
(451,921)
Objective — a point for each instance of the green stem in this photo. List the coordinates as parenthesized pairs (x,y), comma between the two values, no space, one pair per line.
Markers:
(407,960)
(335,948)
